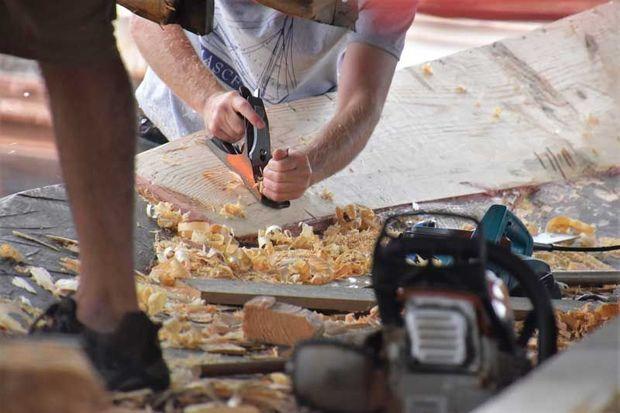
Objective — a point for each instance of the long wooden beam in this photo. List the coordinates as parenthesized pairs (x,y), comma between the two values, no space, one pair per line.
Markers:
(324,298)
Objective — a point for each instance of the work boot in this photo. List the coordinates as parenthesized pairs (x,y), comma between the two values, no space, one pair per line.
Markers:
(127,359)
(59,318)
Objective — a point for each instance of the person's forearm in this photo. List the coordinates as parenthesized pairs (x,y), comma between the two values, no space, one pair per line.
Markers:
(169,53)
(344,136)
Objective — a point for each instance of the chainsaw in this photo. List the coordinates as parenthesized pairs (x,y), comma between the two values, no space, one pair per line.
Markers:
(448,340)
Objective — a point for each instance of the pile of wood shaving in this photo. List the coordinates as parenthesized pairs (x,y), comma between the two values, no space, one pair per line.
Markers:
(211,251)
(574,325)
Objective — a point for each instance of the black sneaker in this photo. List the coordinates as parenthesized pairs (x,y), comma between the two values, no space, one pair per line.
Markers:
(59,318)
(130,358)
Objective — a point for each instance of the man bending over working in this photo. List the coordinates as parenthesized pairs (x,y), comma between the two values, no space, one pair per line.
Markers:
(94,124)
(192,82)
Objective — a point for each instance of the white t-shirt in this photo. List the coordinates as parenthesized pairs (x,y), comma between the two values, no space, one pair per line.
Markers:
(286,58)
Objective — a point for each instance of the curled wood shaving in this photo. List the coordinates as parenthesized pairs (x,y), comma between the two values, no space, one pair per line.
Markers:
(167,272)
(565,225)
(9,252)
(233,210)
(574,325)
(165,214)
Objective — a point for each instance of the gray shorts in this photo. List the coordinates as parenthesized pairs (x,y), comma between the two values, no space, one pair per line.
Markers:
(58,31)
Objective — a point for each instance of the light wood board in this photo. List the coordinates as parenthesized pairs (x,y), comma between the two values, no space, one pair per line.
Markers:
(584,378)
(557,89)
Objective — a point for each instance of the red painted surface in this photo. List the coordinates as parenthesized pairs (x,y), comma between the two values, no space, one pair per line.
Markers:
(506,9)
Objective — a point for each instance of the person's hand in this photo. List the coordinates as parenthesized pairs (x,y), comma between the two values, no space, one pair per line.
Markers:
(223,115)
(287,175)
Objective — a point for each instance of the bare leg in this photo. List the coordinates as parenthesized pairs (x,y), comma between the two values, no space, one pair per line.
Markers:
(94,122)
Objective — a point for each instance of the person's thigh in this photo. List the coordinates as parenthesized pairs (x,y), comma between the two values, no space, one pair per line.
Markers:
(59,31)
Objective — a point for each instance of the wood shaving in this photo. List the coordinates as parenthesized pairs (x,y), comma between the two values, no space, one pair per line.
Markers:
(167,272)
(592,120)
(327,195)
(66,243)
(574,325)
(43,278)
(9,324)
(70,264)
(427,69)
(497,113)
(21,283)
(9,252)
(342,251)
(66,286)
(165,214)
(36,240)
(233,210)
(565,225)
(460,89)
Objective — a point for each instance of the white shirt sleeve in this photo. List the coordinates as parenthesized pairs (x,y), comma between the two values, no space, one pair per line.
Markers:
(384,24)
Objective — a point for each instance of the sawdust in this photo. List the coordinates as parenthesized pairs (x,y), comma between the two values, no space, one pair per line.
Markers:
(11,253)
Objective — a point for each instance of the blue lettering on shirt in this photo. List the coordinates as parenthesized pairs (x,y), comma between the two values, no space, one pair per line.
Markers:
(221,69)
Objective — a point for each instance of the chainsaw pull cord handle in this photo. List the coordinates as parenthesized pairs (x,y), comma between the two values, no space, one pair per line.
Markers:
(538,295)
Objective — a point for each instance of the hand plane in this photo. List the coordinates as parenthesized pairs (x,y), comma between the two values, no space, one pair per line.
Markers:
(249,160)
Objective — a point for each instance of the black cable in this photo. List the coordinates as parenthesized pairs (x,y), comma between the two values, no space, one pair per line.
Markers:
(553,247)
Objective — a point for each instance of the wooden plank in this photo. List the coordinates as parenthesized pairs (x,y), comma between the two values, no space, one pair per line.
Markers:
(325,298)
(535,109)
(584,378)
(44,375)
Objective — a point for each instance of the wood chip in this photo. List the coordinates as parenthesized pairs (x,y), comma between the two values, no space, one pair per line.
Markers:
(232,210)
(43,278)
(427,69)
(66,286)
(267,321)
(11,253)
(22,283)
(36,240)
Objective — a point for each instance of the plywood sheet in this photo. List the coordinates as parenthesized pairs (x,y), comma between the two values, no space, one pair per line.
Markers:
(522,111)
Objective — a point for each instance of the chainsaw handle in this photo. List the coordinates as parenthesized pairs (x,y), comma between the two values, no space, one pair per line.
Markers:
(543,310)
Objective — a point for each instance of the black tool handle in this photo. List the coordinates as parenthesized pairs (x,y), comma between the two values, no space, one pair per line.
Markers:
(258,145)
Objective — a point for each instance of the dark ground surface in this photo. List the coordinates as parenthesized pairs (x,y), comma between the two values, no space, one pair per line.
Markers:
(46,211)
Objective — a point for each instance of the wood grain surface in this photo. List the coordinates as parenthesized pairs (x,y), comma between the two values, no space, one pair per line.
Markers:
(523,111)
